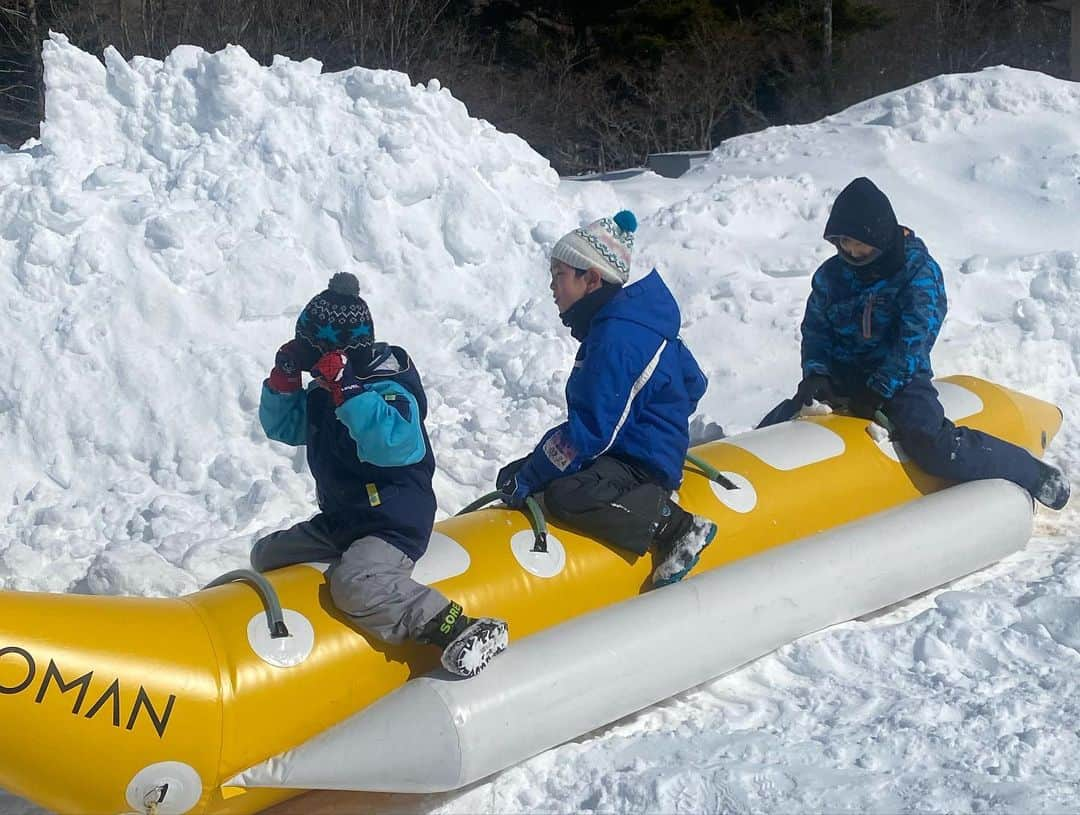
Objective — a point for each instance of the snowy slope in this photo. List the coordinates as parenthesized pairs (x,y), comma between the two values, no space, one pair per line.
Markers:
(155,249)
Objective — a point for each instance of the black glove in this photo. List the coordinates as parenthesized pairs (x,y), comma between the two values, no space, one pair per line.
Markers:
(865,403)
(816,386)
(511,489)
(507,473)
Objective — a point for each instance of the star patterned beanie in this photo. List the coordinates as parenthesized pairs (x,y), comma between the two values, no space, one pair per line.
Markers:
(337,319)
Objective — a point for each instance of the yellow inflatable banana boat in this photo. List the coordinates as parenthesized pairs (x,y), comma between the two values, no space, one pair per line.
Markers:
(116,704)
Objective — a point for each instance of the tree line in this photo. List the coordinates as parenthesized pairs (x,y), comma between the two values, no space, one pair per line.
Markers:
(592,86)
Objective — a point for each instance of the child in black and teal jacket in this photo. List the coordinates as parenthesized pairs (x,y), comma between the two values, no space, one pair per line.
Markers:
(362,420)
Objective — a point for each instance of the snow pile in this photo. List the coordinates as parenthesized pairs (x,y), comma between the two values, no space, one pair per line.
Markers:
(155,249)
(985,167)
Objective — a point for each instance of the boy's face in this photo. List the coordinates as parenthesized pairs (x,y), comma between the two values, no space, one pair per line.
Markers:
(568,285)
(856,252)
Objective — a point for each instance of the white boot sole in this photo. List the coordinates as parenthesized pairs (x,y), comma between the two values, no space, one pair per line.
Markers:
(473,650)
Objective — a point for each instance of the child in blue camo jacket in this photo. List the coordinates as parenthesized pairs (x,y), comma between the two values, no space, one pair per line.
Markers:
(874,313)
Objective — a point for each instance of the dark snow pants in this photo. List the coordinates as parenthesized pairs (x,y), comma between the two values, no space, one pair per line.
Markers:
(614,502)
(938,446)
(371,581)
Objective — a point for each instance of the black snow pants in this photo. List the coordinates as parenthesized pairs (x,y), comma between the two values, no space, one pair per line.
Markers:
(615,502)
(938,446)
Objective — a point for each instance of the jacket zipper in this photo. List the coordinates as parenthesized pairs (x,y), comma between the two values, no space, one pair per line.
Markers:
(866,315)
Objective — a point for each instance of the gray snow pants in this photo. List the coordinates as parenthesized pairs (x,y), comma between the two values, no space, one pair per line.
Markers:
(371,582)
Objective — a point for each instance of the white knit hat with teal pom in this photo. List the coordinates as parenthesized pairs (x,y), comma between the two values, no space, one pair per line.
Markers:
(604,245)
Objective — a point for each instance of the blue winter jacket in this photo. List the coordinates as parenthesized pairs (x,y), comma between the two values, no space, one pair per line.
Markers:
(875,332)
(630,394)
(371,457)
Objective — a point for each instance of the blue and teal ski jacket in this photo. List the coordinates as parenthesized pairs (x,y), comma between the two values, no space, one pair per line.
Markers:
(371,457)
(874,332)
(630,395)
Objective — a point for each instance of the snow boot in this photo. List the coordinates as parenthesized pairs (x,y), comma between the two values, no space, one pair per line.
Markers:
(680,555)
(468,643)
(1053,488)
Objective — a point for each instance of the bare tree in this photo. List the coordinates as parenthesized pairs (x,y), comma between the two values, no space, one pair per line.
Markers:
(580,101)
(20,66)
(827,46)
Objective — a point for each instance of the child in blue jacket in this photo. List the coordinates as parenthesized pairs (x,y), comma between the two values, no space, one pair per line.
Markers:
(362,420)
(608,471)
(874,312)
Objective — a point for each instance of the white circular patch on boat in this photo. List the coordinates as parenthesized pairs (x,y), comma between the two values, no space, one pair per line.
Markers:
(173,787)
(540,564)
(958,401)
(283,652)
(444,558)
(743,499)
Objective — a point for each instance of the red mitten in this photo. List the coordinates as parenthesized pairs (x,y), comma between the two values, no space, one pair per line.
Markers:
(334,373)
(285,376)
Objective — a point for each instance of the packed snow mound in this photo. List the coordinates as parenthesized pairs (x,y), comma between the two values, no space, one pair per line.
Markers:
(157,247)
(984,167)
(372,165)
(987,159)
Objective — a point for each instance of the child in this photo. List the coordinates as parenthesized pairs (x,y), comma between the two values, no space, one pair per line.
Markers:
(874,312)
(362,420)
(609,469)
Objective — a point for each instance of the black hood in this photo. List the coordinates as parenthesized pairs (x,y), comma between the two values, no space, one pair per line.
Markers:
(864,213)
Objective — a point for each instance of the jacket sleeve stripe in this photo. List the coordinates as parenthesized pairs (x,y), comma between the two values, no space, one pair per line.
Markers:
(639,384)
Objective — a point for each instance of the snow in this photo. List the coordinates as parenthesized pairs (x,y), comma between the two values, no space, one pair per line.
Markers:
(158,243)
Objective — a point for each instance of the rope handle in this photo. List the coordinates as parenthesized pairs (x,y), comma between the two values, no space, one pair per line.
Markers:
(154,798)
(275,620)
(711,473)
(532,511)
(480,503)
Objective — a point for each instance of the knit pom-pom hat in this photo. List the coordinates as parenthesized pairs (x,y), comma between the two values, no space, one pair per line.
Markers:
(604,245)
(337,319)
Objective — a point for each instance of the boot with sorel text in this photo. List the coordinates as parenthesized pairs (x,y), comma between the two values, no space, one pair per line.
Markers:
(468,643)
